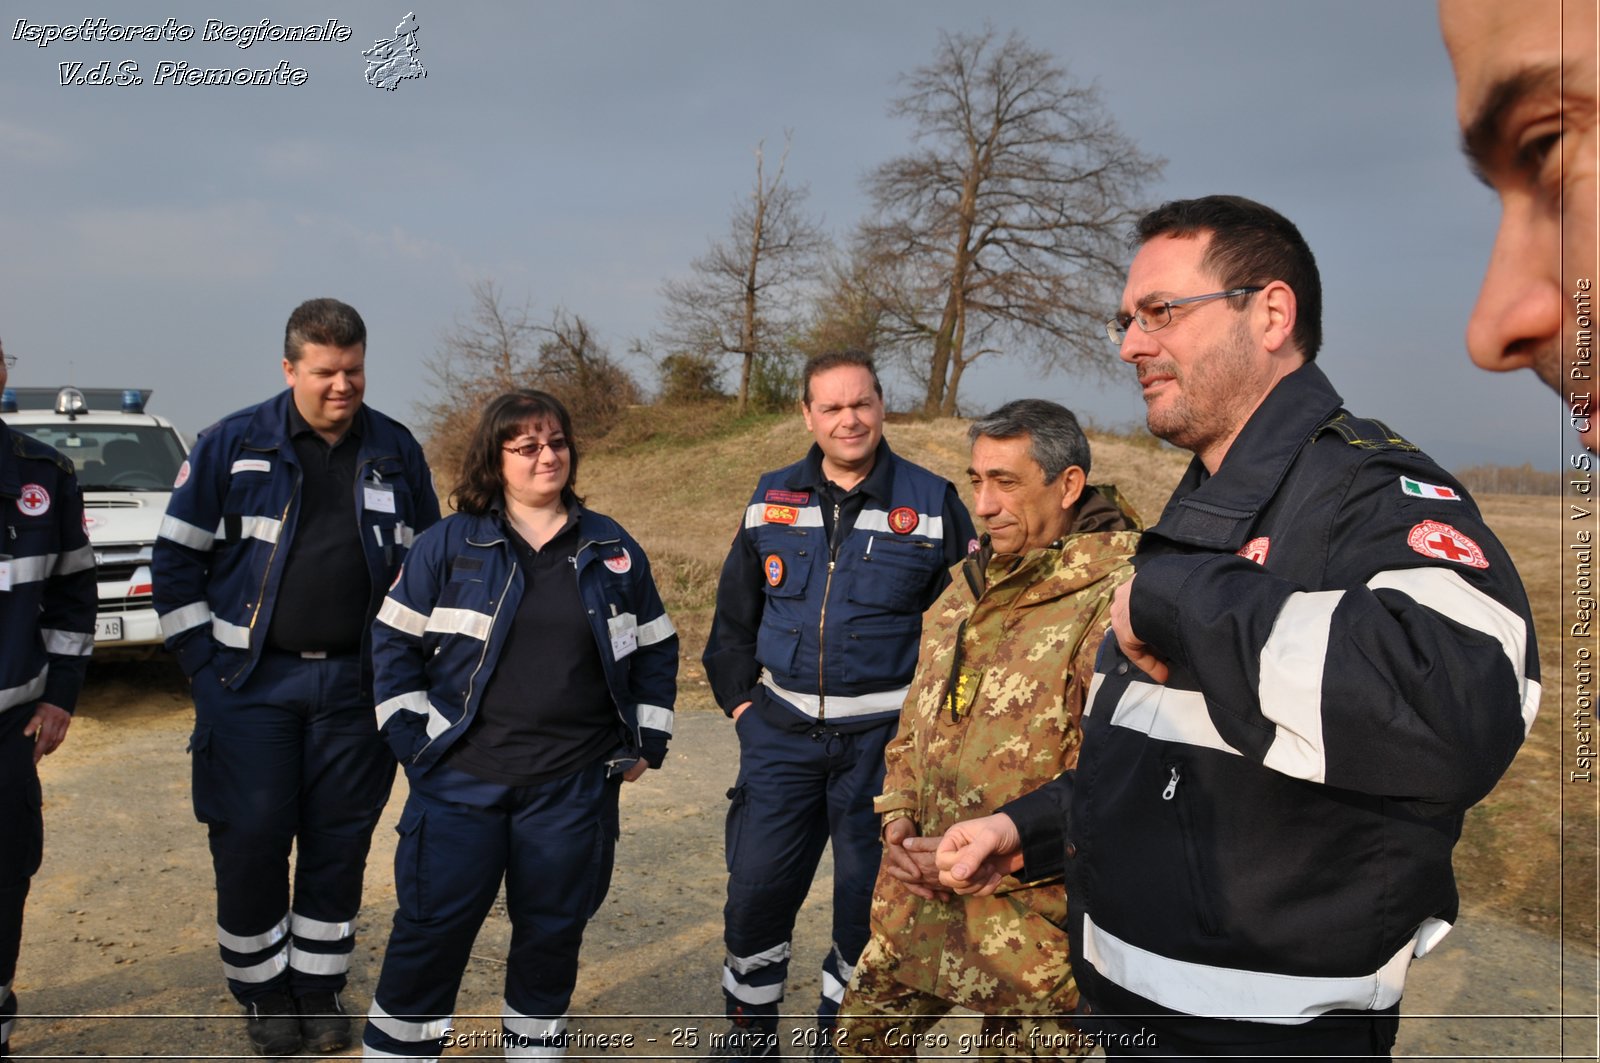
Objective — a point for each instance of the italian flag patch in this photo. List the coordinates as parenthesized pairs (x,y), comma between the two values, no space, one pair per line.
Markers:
(1418,489)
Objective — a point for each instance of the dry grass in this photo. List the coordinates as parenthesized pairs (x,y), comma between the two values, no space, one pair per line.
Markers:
(679,479)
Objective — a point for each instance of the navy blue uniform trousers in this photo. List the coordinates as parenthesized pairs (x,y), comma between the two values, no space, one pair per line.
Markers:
(291,760)
(553,842)
(795,792)
(21,846)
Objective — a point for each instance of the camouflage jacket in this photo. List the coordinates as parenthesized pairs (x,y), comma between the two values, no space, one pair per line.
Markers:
(1005,662)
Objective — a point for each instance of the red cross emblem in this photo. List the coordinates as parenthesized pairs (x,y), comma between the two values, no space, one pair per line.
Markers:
(34,500)
(1433,539)
(1256,550)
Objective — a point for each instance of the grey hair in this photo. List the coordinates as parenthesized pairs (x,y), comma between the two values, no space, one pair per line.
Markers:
(1055,441)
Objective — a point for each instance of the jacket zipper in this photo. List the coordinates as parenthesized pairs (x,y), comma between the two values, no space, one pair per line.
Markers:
(822,618)
(254,652)
(1191,852)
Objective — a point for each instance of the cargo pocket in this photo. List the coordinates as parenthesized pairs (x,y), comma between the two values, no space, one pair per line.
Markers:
(22,843)
(204,781)
(737,797)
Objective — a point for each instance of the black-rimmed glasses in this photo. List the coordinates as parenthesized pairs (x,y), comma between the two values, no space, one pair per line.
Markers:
(1153,317)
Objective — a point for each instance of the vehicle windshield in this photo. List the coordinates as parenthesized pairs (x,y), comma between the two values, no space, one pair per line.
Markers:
(114,457)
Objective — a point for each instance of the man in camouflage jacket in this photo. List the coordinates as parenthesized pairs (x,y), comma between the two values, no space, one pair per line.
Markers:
(1006,658)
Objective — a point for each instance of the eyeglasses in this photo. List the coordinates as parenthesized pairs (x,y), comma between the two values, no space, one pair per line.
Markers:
(531,450)
(1154,317)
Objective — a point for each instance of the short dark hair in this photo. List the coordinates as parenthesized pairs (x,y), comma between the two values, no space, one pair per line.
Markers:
(1055,441)
(325,321)
(481,485)
(1250,244)
(821,363)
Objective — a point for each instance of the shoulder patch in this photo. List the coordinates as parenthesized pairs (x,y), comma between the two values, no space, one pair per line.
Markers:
(1433,539)
(787,498)
(1256,549)
(1418,489)
(34,501)
(621,563)
(1367,433)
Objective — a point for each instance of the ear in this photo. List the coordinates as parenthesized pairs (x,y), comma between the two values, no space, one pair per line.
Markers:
(1276,307)
(805,411)
(288,372)
(1072,484)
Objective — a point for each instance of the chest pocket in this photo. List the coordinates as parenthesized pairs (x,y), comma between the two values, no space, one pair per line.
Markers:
(386,505)
(786,558)
(895,573)
(250,510)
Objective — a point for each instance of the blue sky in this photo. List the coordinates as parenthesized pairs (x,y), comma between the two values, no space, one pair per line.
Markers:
(580,153)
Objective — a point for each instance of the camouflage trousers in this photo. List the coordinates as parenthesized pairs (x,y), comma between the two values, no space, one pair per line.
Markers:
(883,1018)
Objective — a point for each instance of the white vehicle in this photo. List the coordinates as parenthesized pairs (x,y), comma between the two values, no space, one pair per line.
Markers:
(127,462)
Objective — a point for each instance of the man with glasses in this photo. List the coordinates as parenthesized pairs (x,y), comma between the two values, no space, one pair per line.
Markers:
(1527,91)
(287,524)
(47,607)
(1323,660)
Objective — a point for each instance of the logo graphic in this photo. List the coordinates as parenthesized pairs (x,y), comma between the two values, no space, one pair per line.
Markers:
(773,564)
(1256,550)
(34,500)
(183,476)
(973,546)
(1432,539)
(903,520)
(393,61)
(780,515)
(1418,489)
(620,564)
(788,498)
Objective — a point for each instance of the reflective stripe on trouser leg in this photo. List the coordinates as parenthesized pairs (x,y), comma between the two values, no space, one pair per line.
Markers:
(319,947)
(525,1037)
(251,960)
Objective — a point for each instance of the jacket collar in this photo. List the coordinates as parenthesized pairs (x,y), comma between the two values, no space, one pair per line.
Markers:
(1103,534)
(274,423)
(1219,511)
(878,483)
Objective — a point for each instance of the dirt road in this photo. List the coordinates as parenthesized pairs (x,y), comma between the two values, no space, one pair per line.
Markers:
(119,956)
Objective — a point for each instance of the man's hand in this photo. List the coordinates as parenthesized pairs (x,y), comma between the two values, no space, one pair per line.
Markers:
(975,854)
(908,856)
(639,767)
(48,729)
(1139,653)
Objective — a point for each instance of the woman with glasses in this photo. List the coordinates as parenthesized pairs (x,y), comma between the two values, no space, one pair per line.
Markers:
(524,669)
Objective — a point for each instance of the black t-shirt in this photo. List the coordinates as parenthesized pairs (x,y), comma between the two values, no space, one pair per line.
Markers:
(325,593)
(547,711)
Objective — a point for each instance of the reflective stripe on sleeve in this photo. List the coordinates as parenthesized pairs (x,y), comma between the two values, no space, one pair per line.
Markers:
(401,1030)
(318,930)
(68,643)
(182,619)
(1290,688)
(1446,593)
(1169,714)
(186,534)
(839,706)
(411,701)
(77,560)
(402,618)
(655,717)
(658,630)
(32,690)
(468,622)
(236,636)
(35,569)
(255,942)
(1233,993)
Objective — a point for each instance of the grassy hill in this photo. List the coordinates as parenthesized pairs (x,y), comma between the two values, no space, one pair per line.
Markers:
(679,478)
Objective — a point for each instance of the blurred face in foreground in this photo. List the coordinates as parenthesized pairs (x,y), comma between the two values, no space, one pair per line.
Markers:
(1526,96)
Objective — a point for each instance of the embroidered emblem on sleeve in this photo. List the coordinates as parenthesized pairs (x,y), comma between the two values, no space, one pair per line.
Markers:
(903,520)
(1432,539)
(1418,489)
(1256,549)
(773,565)
(34,501)
(621,563)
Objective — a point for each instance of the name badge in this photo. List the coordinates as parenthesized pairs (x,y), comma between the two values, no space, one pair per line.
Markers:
(379,497)
(624,632)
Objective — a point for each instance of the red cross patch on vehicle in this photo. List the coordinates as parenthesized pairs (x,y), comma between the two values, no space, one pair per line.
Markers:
(903,520)
(1256,549)
(773,565)
(780,515)
(1433,539)
(34,501)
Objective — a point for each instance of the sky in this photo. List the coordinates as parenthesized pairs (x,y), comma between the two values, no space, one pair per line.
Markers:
(579,154)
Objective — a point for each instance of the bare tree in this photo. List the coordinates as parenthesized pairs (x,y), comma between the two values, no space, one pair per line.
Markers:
(496,348)
(1005,225)
(741,295)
